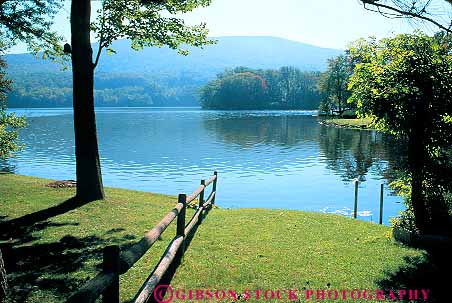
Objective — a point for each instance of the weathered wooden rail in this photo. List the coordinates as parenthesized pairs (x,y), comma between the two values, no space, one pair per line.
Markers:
(116,263)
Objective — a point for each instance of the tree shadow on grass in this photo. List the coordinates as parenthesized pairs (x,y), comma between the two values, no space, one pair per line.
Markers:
(46,267)
(54,269)
(17,225)
(428,272)
(26,234)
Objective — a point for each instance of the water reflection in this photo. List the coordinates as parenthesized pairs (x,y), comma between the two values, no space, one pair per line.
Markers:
(265,159)
(250,130)
(350,153)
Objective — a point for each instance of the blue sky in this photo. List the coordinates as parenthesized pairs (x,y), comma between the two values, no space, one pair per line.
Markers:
(326,23)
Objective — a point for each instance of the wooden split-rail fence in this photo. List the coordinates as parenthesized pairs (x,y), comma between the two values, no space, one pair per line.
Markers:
(116,262)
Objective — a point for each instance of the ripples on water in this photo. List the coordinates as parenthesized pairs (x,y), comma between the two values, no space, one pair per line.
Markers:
(278,159)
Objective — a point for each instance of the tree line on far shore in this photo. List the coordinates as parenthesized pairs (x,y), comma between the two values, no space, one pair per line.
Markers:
(247,88)
(54,89)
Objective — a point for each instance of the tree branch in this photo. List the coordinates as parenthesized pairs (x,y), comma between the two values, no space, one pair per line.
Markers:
(407,14)
(99,51)
(101,39)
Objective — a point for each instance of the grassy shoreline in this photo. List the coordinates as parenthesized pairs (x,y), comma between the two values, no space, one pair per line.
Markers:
(233,249)
(364,123)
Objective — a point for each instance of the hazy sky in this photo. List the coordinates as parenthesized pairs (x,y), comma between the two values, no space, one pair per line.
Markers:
(327,23)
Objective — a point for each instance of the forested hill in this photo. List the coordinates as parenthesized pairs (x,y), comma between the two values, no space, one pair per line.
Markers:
(157,76)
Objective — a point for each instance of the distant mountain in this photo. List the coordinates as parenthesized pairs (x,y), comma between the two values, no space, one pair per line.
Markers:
(157,76)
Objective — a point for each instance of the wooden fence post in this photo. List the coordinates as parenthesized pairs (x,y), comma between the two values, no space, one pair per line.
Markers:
(381,204)
(214,186)
(201,200)
(111,265)
(355,209)
(180,230)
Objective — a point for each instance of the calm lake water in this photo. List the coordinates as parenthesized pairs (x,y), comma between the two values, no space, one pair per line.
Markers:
(271,159)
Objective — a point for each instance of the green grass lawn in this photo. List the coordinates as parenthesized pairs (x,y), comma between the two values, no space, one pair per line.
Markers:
(233,249)
(350,123)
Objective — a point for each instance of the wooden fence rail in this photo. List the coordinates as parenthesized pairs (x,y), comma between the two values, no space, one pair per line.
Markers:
(115,263)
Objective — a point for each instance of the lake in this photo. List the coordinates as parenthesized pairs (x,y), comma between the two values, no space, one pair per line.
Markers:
(270,159)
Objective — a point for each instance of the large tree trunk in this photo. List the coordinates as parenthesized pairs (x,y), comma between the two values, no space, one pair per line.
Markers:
(339,104)
(416,159)
(89,178)
(439,211)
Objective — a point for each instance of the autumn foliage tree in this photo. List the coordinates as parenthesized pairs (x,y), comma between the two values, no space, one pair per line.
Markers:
(247,88)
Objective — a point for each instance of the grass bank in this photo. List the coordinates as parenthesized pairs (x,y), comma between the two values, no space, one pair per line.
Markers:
(233,249)
(364,123)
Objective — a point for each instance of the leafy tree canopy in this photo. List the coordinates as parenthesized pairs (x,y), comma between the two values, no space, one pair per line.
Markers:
(147,23)
(333,85)
(9,123)
(30,22)
(405,84)
(403,78)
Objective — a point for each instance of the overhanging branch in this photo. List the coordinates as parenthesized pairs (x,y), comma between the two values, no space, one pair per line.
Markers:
(400,13)
(101,39)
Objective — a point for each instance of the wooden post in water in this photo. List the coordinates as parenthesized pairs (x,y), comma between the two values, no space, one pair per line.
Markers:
(355,209)
(180,230)
(201,200)
(381,204)
(111,265)
(214,186)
